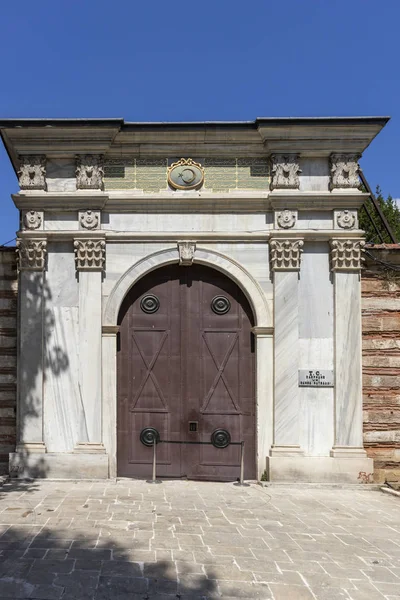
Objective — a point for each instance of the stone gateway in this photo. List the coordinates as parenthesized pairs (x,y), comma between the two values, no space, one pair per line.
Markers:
(190,282)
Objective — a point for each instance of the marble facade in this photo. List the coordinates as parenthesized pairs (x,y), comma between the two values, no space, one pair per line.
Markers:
(278,215)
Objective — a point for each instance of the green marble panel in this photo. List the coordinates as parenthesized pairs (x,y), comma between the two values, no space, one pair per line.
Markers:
(221,174)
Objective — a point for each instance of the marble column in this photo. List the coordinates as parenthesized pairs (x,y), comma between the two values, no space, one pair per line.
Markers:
(346,257)
(285,257)
(109,353)
(31,255)
(90,258)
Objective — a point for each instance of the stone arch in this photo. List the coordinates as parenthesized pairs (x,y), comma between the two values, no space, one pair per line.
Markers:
(204,256)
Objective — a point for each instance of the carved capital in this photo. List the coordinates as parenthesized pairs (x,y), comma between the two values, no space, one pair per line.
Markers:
(31,254)
(89,219)
(346,219)
(186,253)
(89,172)
(285,171)
(32,172)
(285,254)
(90,254)
(32,219)
(344,171)
(286,219)
(346,255)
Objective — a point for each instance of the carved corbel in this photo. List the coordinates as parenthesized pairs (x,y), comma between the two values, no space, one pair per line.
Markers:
(285,170)
(344,171)
(89,172)
(32,172)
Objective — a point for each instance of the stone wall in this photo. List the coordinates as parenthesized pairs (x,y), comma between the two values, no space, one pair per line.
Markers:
(8,354)
(381,360)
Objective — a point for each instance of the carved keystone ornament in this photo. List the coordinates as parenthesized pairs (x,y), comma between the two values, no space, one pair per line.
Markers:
(185,174)
(89,172)
(285,171)
(32,172)
(186,253)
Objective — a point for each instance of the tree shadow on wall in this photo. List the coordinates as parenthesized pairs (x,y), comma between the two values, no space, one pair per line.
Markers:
(45,552)
(37,357)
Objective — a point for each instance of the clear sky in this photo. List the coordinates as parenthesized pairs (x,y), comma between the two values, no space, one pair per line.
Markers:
(205,60)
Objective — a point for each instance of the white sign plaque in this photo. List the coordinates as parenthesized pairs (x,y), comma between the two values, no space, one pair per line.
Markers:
(308,378)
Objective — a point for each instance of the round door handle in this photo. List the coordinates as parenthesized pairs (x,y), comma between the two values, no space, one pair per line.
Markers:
(220,438)
(148,435)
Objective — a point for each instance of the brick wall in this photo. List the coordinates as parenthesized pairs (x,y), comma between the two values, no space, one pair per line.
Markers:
(381,360)
(8,354)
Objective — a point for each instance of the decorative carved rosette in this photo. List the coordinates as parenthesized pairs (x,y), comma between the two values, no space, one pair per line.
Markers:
(89,172)
(31,254)
(286,219)
(32,219)
(90,254)
(89,219)
(285,171)
(32,172)
(285,255)
(344,171)
(186,253)
(346,219)
(346,255)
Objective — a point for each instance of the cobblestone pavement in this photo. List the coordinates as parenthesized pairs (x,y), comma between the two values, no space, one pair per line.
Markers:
(131,540)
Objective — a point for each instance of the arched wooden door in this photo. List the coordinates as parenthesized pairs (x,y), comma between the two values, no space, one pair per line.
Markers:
(186,367)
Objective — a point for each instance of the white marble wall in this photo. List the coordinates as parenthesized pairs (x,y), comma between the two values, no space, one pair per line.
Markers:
(348,388)
(185,222)
(316,348)
(63,410)
(60,175)
(314,176)
(286,359)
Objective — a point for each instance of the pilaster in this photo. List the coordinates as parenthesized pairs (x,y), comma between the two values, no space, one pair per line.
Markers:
(109,393)
(90,260)
(285,259)
(31,260)
(346,260)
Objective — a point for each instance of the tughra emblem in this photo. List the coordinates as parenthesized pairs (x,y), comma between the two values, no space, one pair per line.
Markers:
(185,174)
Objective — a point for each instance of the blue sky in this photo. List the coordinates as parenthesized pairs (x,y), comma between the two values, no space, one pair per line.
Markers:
(208,60)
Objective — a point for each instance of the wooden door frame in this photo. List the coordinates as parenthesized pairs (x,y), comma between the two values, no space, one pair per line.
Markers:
(263,332)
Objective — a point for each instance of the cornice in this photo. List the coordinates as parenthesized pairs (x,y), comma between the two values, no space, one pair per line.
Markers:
(299,200)
(193,201)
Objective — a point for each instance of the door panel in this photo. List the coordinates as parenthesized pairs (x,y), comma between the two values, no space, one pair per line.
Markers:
(189,360)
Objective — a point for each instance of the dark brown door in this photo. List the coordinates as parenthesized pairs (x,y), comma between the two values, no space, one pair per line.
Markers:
(186,368)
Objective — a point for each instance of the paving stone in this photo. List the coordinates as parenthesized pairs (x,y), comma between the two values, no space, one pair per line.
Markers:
(290,592)
(113,568)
